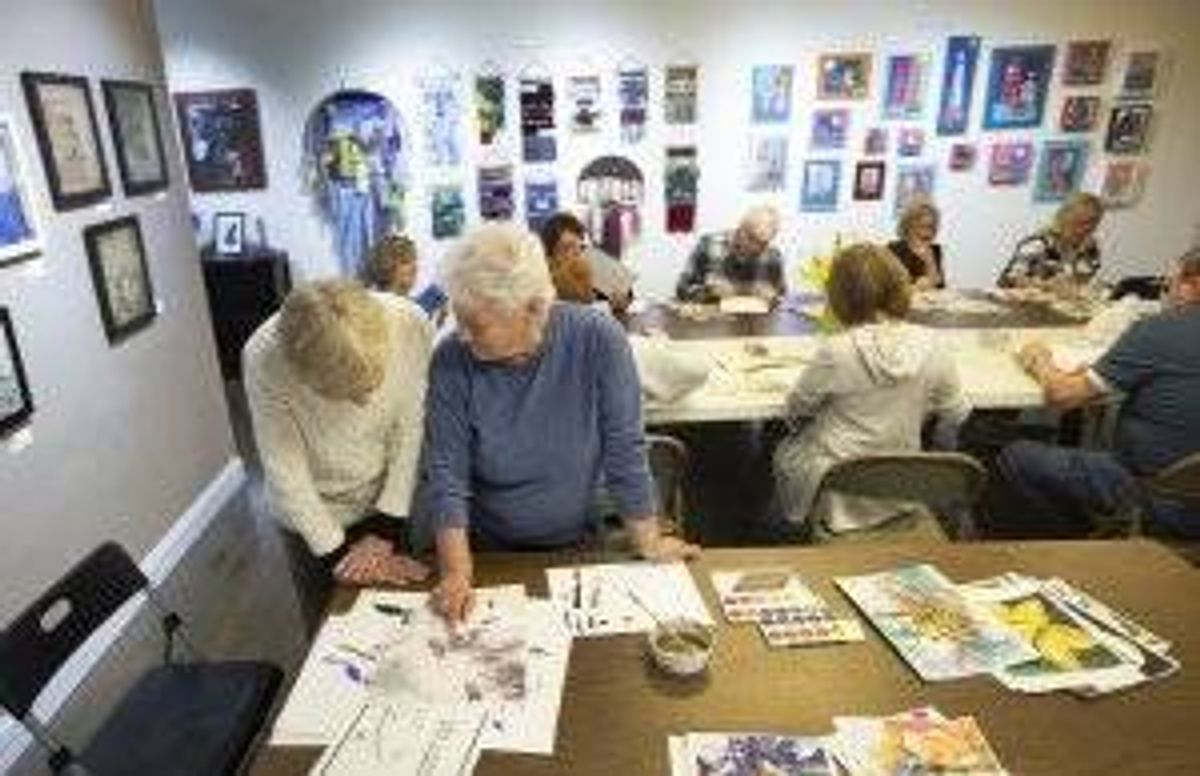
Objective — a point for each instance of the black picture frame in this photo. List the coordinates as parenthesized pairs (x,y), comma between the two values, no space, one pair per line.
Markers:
(72,155)
(121,276)
(16,401)
(229,234)
(136,135)
(222,139)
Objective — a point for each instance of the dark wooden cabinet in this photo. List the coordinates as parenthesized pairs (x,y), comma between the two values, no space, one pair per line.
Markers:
(242,293)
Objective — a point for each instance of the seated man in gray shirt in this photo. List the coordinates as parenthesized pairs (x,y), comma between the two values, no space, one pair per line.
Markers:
(531,406)
(738,263)
(1156,365)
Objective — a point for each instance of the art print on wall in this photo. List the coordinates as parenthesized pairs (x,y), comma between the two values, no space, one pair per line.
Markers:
(117,257)
(819,190)
(1010,163)
(1086,62)
(137,138)
(1060,169)
(1141,75)
(843,76)
(1128,128)
(1080,114)
(541,201)
(222,141)
(443,116)
(876,141)
(910,141)
(633,96)
(447,211)
(958,84)
(67,136)
(768,163)
(914,183)
(584,96)
(16,402)
(20,231)
(830,128)
(496,192)
(681,179)
(869,179)
(904,92)
(771,93)
(1124,183)
(612,190)
(538,143)
(229,234)
(962,157)
(681,89)
(490,110)
(1018,82)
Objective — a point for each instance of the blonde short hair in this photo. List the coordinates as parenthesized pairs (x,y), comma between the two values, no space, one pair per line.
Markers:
(1075,204)
(866,280)
(334,335)
(388,253)
(762,222)
(501,265)
(914,211)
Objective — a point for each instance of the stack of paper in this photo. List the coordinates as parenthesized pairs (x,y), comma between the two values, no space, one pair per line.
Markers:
(614,598)
(920,741)
(384,739)
(787,611)
(749,754)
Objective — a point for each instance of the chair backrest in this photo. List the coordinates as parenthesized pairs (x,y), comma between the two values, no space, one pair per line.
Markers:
(1142,286)
(668,466)
(34,646)
(1180,481)
(933,479)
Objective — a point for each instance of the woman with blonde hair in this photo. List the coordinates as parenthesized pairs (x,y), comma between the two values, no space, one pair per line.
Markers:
(336,386)
(868,390)
(916,249)
(1064,253)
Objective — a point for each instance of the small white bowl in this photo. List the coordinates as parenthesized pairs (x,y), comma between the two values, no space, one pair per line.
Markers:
(681,647)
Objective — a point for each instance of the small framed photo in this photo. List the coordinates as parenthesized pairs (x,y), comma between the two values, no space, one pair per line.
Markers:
(229,234)
(876,141)
(67,136)
(1011,163)
(869,178)
(117,257)
(1141,75)
(137,136)
(1123,183)
(1080,114)
(222,141)
(1086,62)
(830,128)
(1018,83)
(962,157)
(822,179)
(910,141)
(914,183)
(16,403)
(20,232)
(1060,169)
(843,76)
(1128,128)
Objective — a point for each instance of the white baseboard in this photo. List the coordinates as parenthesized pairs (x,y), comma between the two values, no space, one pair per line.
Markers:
(157,566)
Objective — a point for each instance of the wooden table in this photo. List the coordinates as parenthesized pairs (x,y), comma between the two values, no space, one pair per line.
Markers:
(618,710)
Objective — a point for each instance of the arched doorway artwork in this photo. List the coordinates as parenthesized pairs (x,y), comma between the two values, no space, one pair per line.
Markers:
(612,190)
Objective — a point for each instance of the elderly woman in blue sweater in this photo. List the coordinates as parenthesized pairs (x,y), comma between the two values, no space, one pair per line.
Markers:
(532,404)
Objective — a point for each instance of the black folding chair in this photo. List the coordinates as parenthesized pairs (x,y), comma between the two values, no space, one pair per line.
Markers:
(179,719)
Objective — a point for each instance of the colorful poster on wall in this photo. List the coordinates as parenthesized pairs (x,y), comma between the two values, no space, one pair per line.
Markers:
(490,108)
(20,232)
(222,140)
(1060,169)
(914,182)
(1018,82)
(910,141)
(958,84)
(819,191)
(496,192)
(1010,163)
(1080,114)
(612,190)
(869,178)
(447,211)
(768,163)
(1123,183)
(830,128)
(584,94)
(633,94)
(1086,62)
(904,94)
(541,201)
(538,143)
(771,94)
(843,76)
(681,179)
(876,141)
(681,92)
(962,157)
(1128,127)
(443,114)
(1141,75)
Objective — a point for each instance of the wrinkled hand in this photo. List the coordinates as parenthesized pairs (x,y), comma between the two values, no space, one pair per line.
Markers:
(371,561)
(453,598)
(664,549)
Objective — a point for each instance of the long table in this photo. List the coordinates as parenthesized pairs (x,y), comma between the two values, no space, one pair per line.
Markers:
(618,709)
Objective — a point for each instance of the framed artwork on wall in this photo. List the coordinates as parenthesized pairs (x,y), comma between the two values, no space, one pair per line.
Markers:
(229,234)
(958,84)
(222,141)
(962,157)
(869,178)
(64,120)
(1060,169)
(914,183)
(1080,114)
(904,92)
(1017,85)
(20,232)
(1124,182)
(16,403)
(771,94)
(830,128)
(1128,127)
(843,76)
(822,179)
(137,136)
(1141,75)
(1086,62)
(121,276)
(1010,163)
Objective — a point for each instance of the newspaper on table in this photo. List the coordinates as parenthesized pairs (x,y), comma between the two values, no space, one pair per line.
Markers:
(385,738)
(918,741)
(615,598)
(749,754)
(787,611)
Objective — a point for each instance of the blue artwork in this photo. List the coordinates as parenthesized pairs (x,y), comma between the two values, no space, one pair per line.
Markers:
(772,94)
(541,202)
(443,111)
(633,89)
(18,234)
(447,211)
(1018,82)
(822,179)
(958,84)
(830,127)
(904,95)
(914,182)
(356,160)
(538,143)
(1060,169)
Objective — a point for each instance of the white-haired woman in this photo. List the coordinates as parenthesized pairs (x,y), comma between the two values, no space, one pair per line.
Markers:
(917,249)
(532,405)
(1065,254)
(738,262)
(336,386)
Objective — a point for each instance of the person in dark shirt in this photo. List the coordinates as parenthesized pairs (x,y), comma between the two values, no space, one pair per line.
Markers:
(738,263)
(1065,254)
(916,248)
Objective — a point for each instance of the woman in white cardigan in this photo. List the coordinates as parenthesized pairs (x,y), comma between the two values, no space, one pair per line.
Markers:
(869,390)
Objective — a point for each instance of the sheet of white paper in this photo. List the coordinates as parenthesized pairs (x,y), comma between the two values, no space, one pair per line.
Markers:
(614,598)
(384,738)
(745,305)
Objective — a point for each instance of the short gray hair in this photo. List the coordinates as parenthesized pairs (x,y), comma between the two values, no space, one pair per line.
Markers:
(498,264)
(334,337)
(762,221)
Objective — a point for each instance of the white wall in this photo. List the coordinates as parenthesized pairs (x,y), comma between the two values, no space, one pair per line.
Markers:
(297,52)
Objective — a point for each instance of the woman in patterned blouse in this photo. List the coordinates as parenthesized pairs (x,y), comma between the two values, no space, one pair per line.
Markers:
(1065,253)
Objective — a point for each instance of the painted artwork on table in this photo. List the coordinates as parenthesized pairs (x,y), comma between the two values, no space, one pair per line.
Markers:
(443,116)
(768,163)
(20,231)
(1124,182)
(612,190)
(356,165)
(137,139)
(496,196)
(541,201)
(1080,113)
(1141,75)
(121,276)
(1017,86)
(222,140)
(914,182)
(681,92)
(962,157)
(771,91)
(681,179)
(64,123)
(904,92)
(633,97)
(584,93)
(1128,128)
(16,401)
(958,84)
(822,181)
(876,141)
(756,754)
(538,143)
(910,141)
(843,76)
(1086,62)
(490,110)
(869,179)
(447,211)
(830,128)
(1060,169)
(1010,163)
